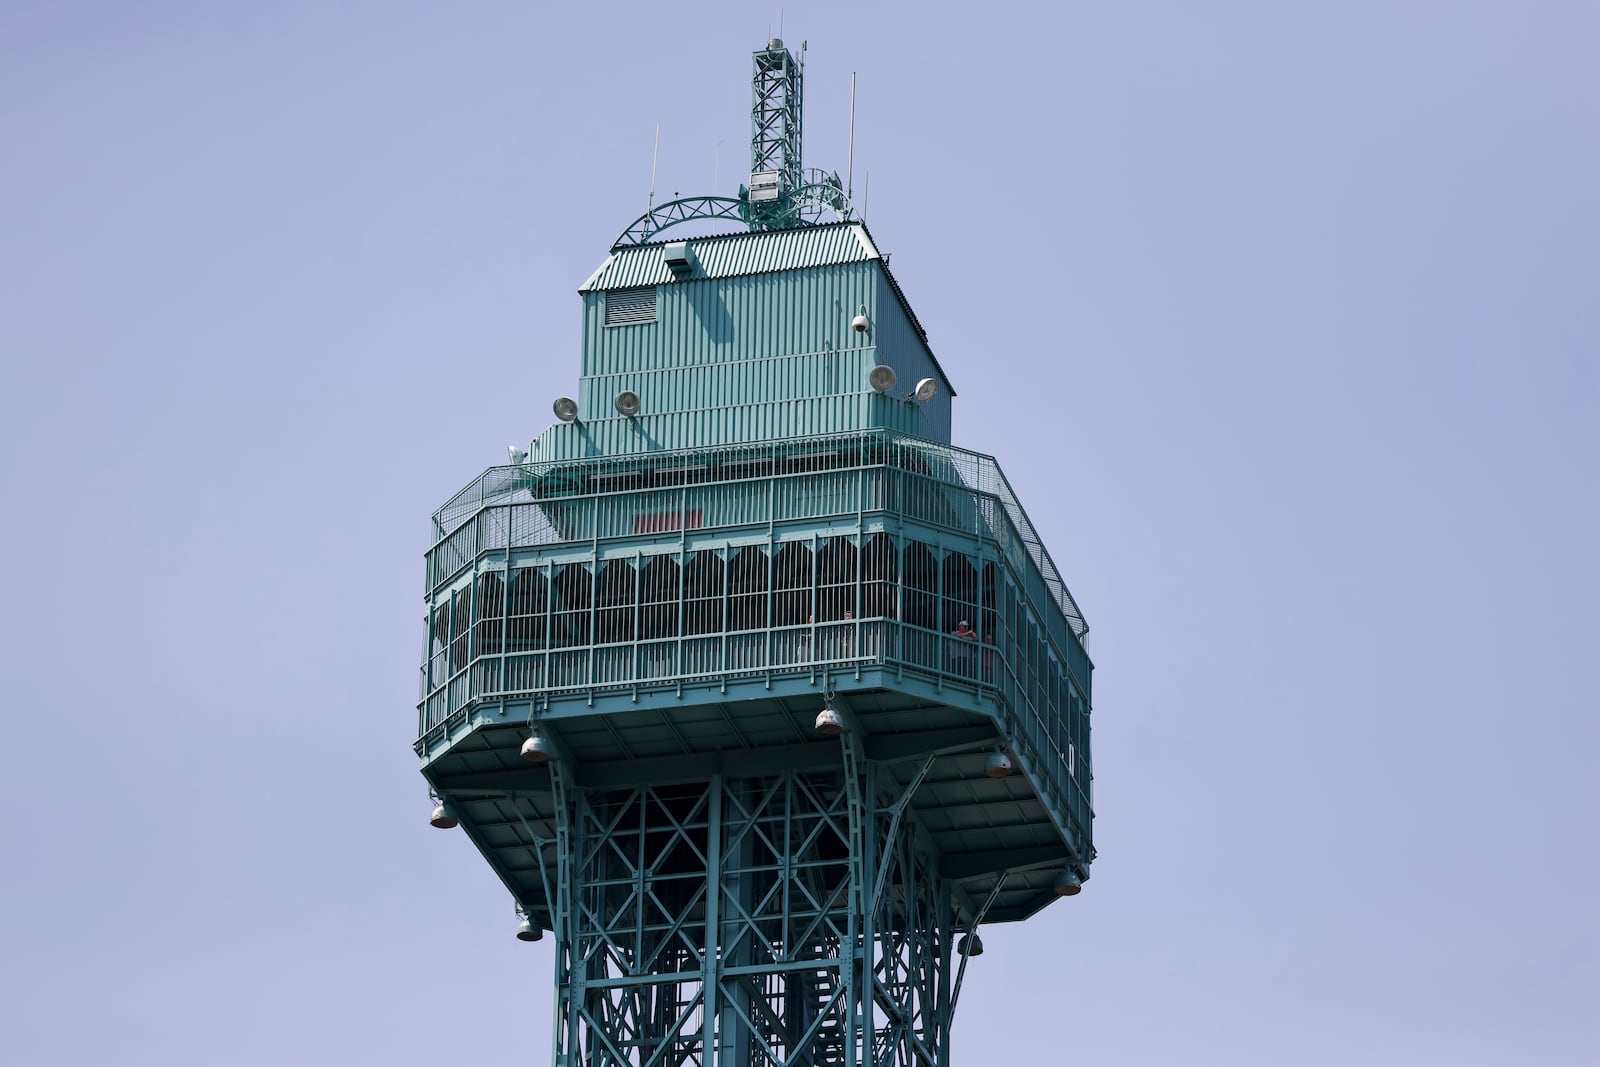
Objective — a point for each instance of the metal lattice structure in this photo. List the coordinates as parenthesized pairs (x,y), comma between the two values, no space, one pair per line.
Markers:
(777,91)
(662,964)
(782,193)
(749,686)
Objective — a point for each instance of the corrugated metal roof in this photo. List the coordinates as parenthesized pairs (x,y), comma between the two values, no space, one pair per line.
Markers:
(731,255)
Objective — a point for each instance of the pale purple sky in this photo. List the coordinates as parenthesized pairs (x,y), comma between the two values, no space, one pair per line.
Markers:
(1281,318)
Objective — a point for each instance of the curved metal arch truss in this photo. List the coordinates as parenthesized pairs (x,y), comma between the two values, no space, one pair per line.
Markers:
(652,222)
(822,195)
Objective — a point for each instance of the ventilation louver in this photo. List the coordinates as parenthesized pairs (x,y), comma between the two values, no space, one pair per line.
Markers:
(624,306)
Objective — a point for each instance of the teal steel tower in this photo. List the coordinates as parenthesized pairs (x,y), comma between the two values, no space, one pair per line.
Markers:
(753,689)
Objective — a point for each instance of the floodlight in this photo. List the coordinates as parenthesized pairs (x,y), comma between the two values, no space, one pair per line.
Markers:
(627,403)
(881,378)
(926,390)
(517,454)
(566,408)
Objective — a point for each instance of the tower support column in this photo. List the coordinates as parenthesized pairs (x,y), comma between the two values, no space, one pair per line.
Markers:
(766,921)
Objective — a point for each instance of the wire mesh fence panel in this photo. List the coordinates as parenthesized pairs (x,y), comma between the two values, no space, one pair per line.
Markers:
(747,651)
(656,660)
(569,668)
(525,672)
(613,665)
(702,655)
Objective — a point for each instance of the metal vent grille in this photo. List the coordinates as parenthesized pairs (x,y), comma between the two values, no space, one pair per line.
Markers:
(625,306)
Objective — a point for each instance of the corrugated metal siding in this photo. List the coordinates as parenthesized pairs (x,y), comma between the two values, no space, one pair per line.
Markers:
(731,255)
(900,346)
(723,320)
(723,384)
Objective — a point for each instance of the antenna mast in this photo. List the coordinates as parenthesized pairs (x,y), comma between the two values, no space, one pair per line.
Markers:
(655,154)
(850,170)
(775,168)
(781,193)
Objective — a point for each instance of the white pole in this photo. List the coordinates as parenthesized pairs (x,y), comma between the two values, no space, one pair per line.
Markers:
(850,179)
(654,155)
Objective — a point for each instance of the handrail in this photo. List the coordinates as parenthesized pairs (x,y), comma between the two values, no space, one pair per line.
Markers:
(791,650)
(942,465)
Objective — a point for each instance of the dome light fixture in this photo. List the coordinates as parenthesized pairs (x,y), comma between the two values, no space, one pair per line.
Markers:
(970,945)
(444,816)
(1068,884)
(998,765)
(829,722)
(861,324)
(527,930)
(536,749)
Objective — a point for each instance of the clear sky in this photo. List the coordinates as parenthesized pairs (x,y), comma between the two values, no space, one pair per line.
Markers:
(1281,317)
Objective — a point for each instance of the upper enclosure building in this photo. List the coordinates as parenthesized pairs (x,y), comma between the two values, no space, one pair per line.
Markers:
(765,524)
(749,534)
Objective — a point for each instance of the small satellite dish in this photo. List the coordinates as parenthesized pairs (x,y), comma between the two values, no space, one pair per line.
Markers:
(627,403)
(926,390)
(882,378)
(517,454)
(566,408)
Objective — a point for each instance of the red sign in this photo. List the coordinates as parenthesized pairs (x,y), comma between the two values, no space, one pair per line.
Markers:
(666,521)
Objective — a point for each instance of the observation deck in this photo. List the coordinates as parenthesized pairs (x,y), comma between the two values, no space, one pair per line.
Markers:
(679,613)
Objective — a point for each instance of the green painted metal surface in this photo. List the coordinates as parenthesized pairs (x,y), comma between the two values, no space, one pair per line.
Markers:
(737,531)
(753,342)
(732,255)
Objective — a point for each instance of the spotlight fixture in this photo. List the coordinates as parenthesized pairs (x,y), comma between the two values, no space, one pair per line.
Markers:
(861,324)
(444,816)
(970,945)
(536,749)
(881,378)
(566,408)
(517,454)
(627,403)
(998,765)
(829,722)
(1068,884)
(925,391)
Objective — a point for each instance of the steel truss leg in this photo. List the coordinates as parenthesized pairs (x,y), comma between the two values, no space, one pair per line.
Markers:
(784,921)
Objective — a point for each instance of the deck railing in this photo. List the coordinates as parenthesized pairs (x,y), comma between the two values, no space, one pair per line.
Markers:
(1041,732)
(598,499)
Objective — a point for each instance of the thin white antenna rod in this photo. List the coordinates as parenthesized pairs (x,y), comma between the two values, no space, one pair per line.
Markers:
(850,179)
(654,155)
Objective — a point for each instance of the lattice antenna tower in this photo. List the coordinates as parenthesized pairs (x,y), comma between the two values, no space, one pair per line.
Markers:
(782,193)
(777,87)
